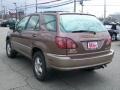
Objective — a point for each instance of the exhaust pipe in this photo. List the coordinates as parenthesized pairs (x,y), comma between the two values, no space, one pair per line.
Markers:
(102,66)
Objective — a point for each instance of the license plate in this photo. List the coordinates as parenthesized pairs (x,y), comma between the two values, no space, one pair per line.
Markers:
(92,45)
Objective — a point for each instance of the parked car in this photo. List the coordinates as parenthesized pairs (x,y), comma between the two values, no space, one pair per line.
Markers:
(3,23)
(0,21)
(6,23)
(55,40)
(114,30)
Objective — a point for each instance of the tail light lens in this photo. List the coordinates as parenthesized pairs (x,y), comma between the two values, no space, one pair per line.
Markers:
(65,43)
(108,41)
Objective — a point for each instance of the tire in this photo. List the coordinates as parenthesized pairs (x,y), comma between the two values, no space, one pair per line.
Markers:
(11,53)
(90,69)
(39,66)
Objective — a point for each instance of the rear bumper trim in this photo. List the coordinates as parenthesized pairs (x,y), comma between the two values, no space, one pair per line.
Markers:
(78,54)
(67,58)
(80,67)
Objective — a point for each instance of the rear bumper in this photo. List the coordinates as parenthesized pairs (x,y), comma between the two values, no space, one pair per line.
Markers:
(67,63)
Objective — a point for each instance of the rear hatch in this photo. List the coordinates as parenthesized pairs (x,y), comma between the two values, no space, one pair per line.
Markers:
(85,33)
(88,43)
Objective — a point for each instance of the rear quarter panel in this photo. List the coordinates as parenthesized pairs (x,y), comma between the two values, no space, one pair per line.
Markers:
(46,42)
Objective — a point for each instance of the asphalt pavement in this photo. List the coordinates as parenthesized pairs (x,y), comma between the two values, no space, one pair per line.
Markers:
(17,74)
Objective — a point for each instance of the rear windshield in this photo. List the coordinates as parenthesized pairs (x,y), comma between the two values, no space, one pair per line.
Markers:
(71,23)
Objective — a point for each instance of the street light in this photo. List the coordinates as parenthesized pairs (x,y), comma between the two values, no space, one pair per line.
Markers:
(81,3)
(15,9)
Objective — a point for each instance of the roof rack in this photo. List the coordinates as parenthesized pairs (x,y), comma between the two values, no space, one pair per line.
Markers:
(66,12)
(53,11)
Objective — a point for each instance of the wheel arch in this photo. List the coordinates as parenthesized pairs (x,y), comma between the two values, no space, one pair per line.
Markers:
(36,49)
(7,38)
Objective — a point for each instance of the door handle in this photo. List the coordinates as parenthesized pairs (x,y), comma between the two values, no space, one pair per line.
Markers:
(34,35)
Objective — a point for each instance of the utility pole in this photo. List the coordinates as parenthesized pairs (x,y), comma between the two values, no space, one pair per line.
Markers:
(3,15)
(1,9)
(74,5)
(81,3)
(36,6)
(25,8)
(15,9)
(82,8)
(104,10)
(1,4)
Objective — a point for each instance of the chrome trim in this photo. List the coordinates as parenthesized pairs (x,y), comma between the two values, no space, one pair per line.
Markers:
(80,54)
(21,44)
(81,67)
(68,58)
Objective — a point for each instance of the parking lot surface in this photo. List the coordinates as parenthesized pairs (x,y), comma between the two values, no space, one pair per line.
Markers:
(17,74)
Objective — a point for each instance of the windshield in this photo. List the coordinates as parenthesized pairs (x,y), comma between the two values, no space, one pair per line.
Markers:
(71,23)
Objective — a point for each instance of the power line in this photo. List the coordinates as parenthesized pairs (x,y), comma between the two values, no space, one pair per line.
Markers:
(49,2)
(101,5)
(32,5)
(61,5)
(57,5)
(45,5)
(45,2)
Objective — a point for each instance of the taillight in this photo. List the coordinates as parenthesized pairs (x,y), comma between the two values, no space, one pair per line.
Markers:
(65,43)
(108,41)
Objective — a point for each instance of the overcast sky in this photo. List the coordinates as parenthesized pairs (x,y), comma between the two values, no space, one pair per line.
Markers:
(92,6)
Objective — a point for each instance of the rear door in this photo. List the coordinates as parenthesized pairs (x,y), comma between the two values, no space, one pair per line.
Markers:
(29,34)
(88,42)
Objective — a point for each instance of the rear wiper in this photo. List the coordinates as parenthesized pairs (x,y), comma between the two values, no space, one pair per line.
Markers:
(84,31)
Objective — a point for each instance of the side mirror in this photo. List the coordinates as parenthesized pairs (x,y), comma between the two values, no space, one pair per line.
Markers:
(12,27)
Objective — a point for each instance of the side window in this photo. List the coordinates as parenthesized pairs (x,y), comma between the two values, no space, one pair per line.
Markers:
(33,23)
(50,22)
(22,24)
